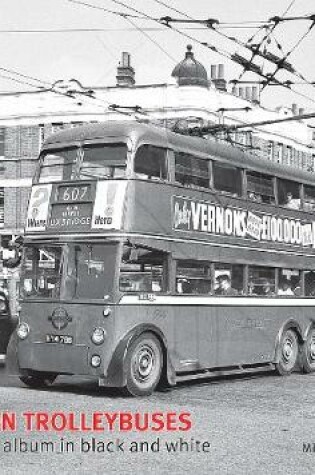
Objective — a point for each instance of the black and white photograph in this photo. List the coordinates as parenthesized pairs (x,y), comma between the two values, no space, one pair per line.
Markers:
(157,237)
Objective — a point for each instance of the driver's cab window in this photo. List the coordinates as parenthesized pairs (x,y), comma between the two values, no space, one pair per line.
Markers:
(142,270)
(151,162)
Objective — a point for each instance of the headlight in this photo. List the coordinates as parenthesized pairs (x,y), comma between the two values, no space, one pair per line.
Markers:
(22,331)
(98,336)
(95,361)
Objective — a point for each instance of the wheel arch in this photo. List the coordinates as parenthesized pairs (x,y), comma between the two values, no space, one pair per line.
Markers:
(116,372)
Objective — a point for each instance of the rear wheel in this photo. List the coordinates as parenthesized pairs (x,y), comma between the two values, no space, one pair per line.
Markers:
(288,353)
(143,364)
(308,353)
(38,380)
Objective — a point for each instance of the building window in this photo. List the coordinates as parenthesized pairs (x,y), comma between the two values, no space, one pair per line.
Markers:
(2,130)
(280,153)
(41,136)
(289,156)
(57,126)
(271,151)
(1,207)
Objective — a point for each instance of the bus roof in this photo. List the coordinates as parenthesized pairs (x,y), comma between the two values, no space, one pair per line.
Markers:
(142,133)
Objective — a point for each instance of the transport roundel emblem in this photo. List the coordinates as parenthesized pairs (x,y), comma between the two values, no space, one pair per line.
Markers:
(60,318)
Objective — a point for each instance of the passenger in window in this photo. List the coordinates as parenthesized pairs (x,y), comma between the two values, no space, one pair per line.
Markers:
(251,288)
(255,197)
(266,288)
(292,203)
(184,286)
(224,286)
(285,288)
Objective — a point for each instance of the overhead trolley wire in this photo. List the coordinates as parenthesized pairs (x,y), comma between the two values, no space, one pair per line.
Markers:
(248,65)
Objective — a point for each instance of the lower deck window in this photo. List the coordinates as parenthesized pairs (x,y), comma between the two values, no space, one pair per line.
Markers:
(261,281)
(229,279)
(142,270)
(193,278)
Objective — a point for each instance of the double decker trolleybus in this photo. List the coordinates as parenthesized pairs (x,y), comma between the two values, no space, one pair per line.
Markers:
(150,256)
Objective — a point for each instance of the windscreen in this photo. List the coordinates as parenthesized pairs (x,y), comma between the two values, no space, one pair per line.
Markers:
(41,272)
(90,269)
(72,271)
(58,165)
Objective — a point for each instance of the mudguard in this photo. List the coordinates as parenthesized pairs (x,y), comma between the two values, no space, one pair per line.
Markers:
(116,373)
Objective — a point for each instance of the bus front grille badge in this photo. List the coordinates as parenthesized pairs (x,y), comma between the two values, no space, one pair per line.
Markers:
(59,318)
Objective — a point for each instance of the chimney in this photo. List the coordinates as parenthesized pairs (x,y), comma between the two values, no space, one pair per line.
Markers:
(255,94)
(301,111)
(248,93)
(213,72)
(295,110)
(217,76)
(125,73)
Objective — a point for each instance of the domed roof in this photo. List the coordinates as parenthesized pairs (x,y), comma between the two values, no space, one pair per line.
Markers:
(190,72)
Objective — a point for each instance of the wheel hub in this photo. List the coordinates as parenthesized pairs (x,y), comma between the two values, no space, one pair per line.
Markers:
(145,363)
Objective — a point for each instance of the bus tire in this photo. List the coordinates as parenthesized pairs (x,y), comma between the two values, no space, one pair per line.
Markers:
(143,365)
(38,380)
(308,352)
(288,352)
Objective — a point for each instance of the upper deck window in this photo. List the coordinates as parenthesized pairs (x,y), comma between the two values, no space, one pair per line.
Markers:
(58,165)
(190,170)
(309,198)
(260,187)
(227,178)
(289,194)
(103,161)
(150,162)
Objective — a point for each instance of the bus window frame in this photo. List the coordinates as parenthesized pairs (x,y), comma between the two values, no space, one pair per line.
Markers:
(197,156)
(236,167)
(57,148)
(165,270)
(147,178)
(272,178)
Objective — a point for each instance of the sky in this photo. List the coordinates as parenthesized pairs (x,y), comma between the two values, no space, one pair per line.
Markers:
(92,56)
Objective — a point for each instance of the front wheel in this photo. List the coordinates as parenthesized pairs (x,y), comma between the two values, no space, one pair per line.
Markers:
(38,380)
(308,353)
(143,365)
(288,353)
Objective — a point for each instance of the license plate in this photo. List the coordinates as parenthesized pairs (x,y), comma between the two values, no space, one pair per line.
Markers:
(62,339)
